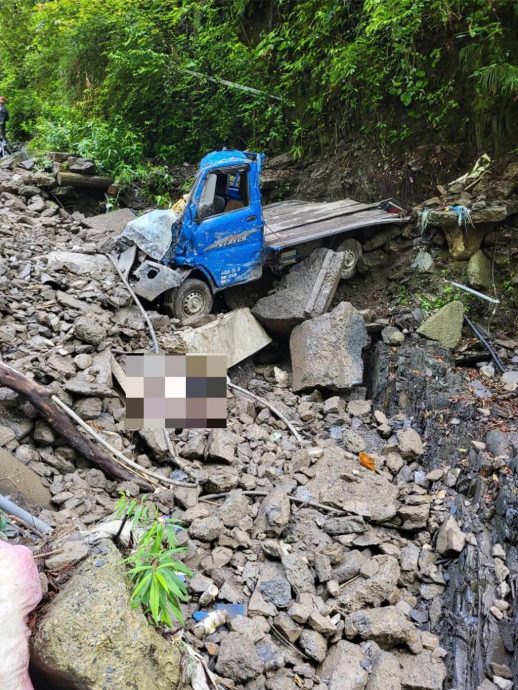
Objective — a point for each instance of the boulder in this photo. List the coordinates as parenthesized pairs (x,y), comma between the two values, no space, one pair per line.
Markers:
(18,479)
(340,481)
(480,272)
(410,444)
(445,326)
(91,634)
(360,592)
(450,538)
(236,334)
(342,669)
(238,658)
(387,626)
(96,265)
(421,671)
(327,350)
(82,166)
(304,292)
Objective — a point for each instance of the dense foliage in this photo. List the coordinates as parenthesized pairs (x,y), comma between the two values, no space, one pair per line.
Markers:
(123,79)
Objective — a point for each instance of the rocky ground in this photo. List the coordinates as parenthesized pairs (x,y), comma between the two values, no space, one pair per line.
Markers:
(378,553)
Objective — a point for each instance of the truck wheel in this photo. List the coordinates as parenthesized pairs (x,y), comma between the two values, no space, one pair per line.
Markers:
(192,298)
(353,252)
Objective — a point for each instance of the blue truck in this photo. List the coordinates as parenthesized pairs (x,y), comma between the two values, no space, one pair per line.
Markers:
(225,236)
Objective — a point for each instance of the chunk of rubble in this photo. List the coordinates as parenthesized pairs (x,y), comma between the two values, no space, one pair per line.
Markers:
(237,335)
(327,350)
(387,626)
(445,326)
(340,481)
(342,668)
(450,538)
(421,671)
(359,593)
(304,292)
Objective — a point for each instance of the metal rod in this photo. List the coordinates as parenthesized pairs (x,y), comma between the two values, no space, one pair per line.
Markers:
(473,292)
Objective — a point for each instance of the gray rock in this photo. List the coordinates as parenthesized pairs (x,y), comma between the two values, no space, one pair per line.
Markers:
(96,380)
(445,326)
(351,524)
(421,671)
(237,334)
(238,658)
(71,552)
(88,408)
(414,516)
(340,481)
(480,271)
(278,592)
(498,443)
(298,573)
(450,538)
(234,508)
(220,478)
(17,478)
(385,672)
(372,591)
(350,567)
(206,529)
(409,443)
(387,626)
(222,445)
(274,513)
(326,351)
(392,335)
(90,632)
(313,644)
(291,302)
(423,262)
(83,166)
(89,330)
(343,668)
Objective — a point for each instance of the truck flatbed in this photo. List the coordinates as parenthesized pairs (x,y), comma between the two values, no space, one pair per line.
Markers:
(289,223)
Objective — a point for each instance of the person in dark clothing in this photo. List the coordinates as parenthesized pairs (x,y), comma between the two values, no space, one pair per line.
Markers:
(4,116)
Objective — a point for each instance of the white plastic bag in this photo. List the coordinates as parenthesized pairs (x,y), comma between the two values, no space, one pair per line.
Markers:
(20,592)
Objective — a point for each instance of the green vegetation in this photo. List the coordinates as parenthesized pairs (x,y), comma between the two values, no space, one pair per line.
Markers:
(449,293)
(4,522)
(155,572)
(120,81)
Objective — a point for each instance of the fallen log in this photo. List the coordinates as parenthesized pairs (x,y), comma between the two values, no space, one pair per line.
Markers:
(40,397)
(68,179)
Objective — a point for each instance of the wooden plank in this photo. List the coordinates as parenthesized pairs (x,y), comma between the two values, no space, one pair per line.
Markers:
(320,215)
(327,229)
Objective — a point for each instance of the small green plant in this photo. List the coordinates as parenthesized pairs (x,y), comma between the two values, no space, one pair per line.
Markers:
(403,295)
(3,524)
(448,294)
(156,575)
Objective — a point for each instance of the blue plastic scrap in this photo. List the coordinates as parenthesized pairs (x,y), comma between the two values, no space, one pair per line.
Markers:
(233,610)
(463,214)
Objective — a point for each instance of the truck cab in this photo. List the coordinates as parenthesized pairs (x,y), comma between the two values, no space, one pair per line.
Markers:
(224,236)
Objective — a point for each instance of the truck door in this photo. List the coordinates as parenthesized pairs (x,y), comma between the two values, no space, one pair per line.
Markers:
(228,235)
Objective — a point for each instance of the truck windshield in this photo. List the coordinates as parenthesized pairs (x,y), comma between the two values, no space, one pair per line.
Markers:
(224,190)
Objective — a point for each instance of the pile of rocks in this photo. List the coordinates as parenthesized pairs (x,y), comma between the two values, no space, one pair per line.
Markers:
(327,561)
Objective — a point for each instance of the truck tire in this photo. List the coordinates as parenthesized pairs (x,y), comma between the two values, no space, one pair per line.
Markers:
(192,298)
(353,252)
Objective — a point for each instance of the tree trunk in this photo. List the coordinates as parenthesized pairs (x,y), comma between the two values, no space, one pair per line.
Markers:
(68,179)
(58,420)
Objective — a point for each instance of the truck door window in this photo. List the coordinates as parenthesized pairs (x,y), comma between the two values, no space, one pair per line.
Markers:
(224,191)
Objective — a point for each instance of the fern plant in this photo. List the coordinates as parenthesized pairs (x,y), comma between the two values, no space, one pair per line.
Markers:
(156,575)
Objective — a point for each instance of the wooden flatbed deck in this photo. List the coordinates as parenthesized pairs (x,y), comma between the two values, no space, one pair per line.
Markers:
(289,223)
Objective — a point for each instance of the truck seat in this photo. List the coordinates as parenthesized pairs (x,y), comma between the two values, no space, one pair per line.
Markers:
(233,204)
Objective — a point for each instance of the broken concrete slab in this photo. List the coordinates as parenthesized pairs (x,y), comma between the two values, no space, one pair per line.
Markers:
(237,335)
(304,292)
(81,264)
(340,481)
(109,225)
(326,351)
(17,478)
(445,326)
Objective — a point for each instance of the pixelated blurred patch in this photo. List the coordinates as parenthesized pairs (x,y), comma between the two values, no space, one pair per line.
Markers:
(172,391)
